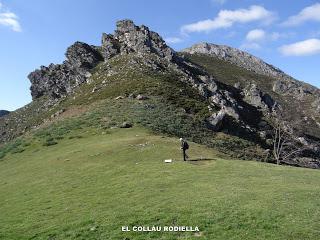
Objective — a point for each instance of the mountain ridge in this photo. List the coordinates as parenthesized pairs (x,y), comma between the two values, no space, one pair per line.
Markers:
(135,60)
(255,64)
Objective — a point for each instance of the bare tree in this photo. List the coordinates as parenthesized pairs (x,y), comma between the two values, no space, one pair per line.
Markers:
(286,143)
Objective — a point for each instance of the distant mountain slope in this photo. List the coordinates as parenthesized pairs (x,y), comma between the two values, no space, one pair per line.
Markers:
(300,101)
(3,113)
(285,84)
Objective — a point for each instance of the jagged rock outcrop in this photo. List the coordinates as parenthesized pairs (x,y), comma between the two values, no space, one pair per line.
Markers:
(131,38)
(293,88)
(215,121)
(58,80)
(254,96)
(3,113)
(55,81)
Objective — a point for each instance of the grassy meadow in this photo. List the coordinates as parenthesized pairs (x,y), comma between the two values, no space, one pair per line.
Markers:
(90,184)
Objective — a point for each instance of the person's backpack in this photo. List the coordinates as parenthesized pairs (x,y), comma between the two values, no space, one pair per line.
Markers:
(185,145)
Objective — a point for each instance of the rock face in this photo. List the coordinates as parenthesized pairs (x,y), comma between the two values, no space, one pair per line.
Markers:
(58,80)
(294,88)
(216,120)
(3,113)
(130,38)
(316,105)
(257,98)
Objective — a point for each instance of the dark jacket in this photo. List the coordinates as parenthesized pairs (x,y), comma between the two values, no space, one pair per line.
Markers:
(184,145)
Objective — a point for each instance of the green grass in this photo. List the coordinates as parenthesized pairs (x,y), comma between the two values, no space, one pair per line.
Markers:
(88,187)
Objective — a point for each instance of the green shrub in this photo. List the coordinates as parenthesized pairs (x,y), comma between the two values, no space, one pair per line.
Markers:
(50,142)
(17,150)
(75,137)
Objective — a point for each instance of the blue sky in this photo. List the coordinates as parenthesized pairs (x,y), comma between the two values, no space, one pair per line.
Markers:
(37,32)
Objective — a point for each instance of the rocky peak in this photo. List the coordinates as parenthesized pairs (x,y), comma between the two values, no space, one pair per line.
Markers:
(82,56)
(59,80)
(125,25)
(131,38)
(237,57)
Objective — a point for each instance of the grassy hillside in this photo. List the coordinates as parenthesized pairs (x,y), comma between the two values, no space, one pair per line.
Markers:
(93,182)
(172,108)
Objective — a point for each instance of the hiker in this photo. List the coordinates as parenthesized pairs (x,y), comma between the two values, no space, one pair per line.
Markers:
(184,147)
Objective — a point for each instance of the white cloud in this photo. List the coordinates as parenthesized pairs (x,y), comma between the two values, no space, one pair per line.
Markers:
(256,38)
(259,35)
(9,19)
(226,18)
(303,48)
(311,13)
(256,35)
(173,40)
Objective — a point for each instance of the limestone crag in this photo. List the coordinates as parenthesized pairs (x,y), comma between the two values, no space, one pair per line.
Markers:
(58,80)
(131,38)
(257,98)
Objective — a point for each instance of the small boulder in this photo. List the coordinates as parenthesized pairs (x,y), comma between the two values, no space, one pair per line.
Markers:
(132,95)
(141,97)
(126,125)
(119,97)
(215,121)
(95,89)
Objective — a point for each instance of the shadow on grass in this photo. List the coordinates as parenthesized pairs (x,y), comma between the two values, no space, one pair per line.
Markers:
(201,159)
